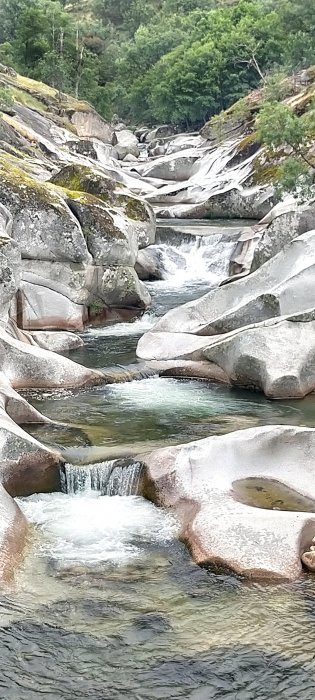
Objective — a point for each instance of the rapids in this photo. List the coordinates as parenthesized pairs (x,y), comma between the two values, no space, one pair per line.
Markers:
(108,604)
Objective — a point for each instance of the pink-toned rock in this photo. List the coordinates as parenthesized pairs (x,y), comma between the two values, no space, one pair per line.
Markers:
(201,482)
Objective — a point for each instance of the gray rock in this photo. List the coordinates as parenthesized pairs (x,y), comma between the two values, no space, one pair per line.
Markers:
(110,236)
(127,143)
(57,342)
(149,264)
(276,357)
(40,307)
(175,167)
(29,366)
(120,287)
(43,225)
(113,194)
(91,125)
(281,231)
(282,286)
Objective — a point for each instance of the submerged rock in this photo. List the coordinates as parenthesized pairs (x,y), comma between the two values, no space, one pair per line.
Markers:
(13,535)
(201,482)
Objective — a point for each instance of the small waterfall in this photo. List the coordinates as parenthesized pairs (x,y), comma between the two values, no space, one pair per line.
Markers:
(110,478)
(206,259)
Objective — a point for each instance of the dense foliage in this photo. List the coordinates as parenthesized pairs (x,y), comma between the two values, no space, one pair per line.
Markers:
(179,61)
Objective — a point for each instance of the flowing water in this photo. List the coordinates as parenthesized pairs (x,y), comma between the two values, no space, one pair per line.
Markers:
(108,604)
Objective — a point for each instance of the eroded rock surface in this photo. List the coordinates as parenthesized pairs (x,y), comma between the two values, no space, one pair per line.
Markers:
(201,482)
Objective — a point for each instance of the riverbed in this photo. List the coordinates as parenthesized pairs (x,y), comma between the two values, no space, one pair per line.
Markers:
(108,603)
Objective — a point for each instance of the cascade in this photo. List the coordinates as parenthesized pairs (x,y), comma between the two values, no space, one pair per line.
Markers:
(206,259)
(110,478)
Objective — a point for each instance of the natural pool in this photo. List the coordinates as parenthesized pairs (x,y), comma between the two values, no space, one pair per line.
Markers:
(108,604)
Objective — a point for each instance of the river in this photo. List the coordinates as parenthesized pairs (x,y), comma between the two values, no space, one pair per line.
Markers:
(108,603)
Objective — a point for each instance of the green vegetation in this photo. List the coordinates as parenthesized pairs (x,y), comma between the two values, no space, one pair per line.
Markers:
(177,61)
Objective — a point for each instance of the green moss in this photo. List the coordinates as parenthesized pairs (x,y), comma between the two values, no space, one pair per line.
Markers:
(265,173)
(136,210)
(26,99)
(17,184)
(247,141)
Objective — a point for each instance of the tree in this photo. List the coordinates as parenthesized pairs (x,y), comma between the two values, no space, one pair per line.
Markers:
(288,137)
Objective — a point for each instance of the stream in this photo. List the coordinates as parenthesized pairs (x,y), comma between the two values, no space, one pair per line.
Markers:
(108,603)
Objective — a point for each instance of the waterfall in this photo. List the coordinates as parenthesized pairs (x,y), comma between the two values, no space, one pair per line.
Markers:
(110,478)
(206,259)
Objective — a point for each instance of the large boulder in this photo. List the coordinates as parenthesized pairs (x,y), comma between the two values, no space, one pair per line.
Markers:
(43,225)
(127,144)
(57,341)
(120,287)
(171,346)
(174,167)
(282,286)
(29,366)
(54,295)
(240,498)
(80,178)
(89,125)
(10,263)
(276,357)
(266,239)
(110,236)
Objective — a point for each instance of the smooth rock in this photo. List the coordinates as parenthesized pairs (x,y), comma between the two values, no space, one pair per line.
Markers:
(40,307)
(127,144)
(277,358)
(43,225)
(57,341)
(120,287)
(90,125)
(282,286)
(29,366)
(201,482)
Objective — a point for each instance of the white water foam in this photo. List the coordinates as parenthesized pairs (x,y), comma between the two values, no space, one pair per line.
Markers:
(108,478)
(137,327)
(206,260)
(89,529)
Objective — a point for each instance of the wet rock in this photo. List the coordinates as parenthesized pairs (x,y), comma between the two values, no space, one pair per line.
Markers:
(149,264)
(121,288)
(13,534)
(193,480)
(308,558)
(57,342)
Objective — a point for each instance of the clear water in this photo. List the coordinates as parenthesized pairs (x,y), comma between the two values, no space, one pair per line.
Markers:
(108,604)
